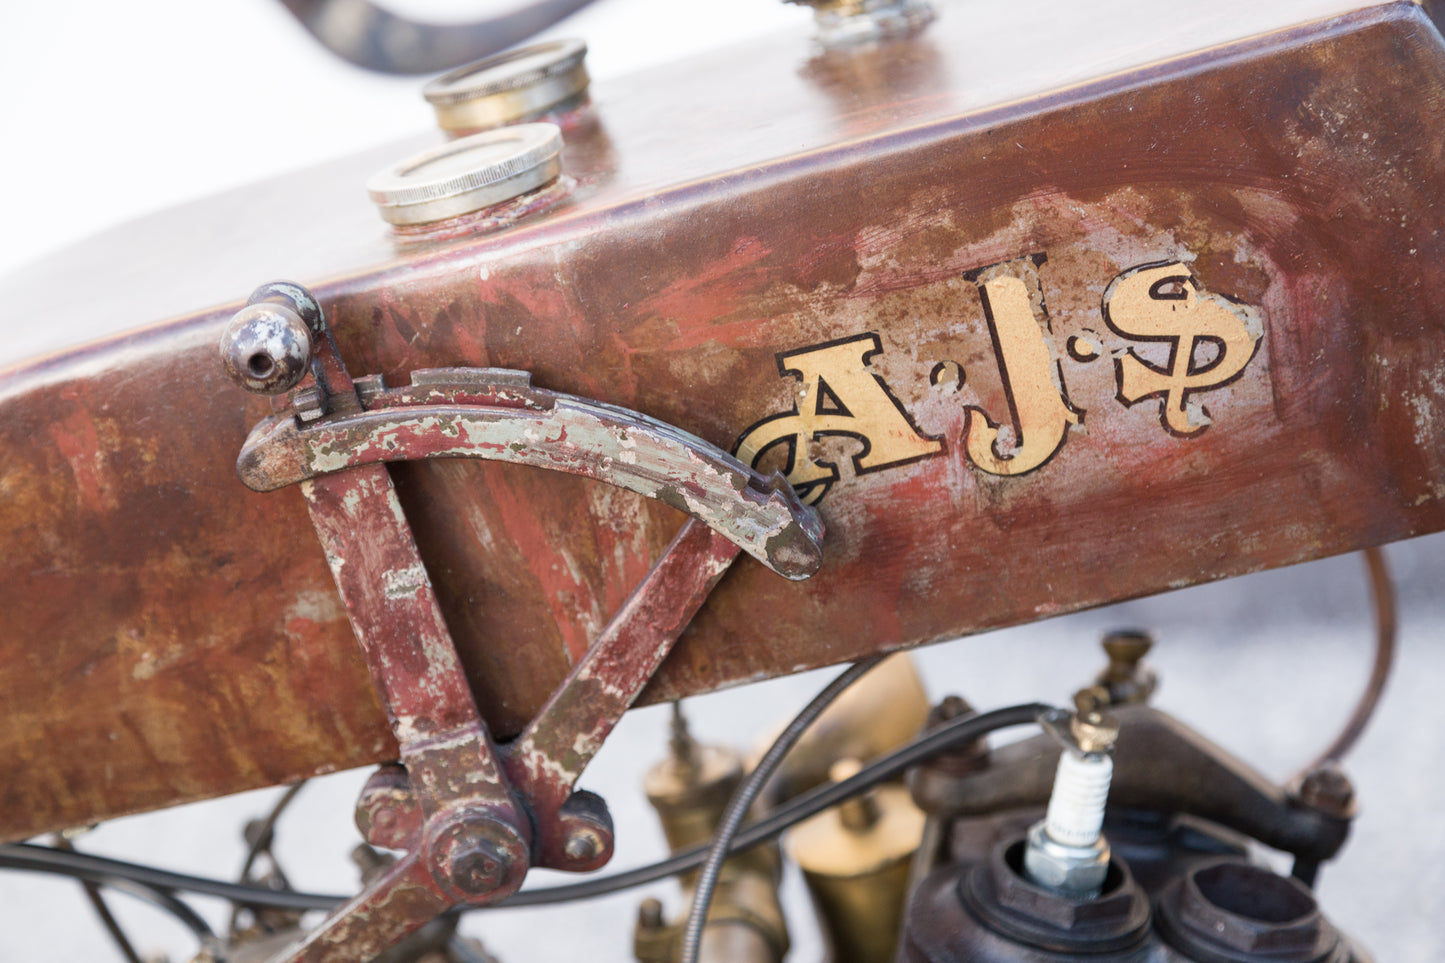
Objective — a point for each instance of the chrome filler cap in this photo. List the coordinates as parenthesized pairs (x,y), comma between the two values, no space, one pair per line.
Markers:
(469,174)
(514,86)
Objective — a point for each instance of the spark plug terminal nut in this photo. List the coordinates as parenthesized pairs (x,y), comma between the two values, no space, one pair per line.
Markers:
(1094,730)
(1066,851)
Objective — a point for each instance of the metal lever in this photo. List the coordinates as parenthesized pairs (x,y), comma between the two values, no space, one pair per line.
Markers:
(496,414)
(471,818)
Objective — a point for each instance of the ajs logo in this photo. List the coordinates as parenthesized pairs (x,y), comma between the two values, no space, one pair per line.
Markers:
(841,394)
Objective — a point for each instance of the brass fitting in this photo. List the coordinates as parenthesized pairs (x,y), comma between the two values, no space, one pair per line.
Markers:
(744,925)
(1094,730)
(545,81)
(691,787)
(689,790)
(855,859)
(1126,679)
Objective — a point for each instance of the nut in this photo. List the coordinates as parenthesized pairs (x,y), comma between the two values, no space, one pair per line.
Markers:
(475,865)
(584,844)
(387,813)
(1093,730)
(1076,870)
(1328,790)
(476,857)
(999,893)
(586,830)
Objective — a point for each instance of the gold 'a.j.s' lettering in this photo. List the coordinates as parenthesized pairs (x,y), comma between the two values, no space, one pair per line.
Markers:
(1210,338)
(1013,304)
(837,394)
(1164,302)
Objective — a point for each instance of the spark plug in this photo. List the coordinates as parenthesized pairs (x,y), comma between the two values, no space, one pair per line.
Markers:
(1066,850)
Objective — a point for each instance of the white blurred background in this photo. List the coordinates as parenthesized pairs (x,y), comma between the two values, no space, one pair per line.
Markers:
(112,110)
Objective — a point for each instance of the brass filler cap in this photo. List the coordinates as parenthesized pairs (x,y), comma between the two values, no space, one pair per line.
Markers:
(468,175)
(509,87)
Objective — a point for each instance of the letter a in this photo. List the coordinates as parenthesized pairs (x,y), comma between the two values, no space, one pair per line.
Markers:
(838,395)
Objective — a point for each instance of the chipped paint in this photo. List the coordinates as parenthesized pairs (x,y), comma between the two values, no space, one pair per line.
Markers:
(404,582)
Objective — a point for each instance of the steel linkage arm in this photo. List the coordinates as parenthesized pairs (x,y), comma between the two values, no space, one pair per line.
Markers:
(471,817)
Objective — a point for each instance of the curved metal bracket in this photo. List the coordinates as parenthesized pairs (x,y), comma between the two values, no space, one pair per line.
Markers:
(496,414)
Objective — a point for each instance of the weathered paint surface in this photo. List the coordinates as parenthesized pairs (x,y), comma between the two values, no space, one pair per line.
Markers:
(471,820)
(172,635)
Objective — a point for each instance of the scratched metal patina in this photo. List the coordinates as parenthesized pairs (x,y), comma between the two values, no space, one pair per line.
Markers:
(172,635)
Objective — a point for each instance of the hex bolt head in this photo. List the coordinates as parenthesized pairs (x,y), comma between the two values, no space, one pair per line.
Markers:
(266,348)
(476,866)
(1077,871)
(477,857)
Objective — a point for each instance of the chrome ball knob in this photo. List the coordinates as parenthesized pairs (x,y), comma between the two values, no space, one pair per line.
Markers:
(266,348)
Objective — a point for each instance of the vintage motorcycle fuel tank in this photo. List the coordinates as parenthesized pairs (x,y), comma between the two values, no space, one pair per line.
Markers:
(1042,308)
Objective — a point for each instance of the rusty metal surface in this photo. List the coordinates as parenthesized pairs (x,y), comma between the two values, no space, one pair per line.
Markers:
(170,636)
(385,588)
(405,891)
(455,809)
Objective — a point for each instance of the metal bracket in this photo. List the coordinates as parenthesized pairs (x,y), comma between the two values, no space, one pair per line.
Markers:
(473,817)
(496,414)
